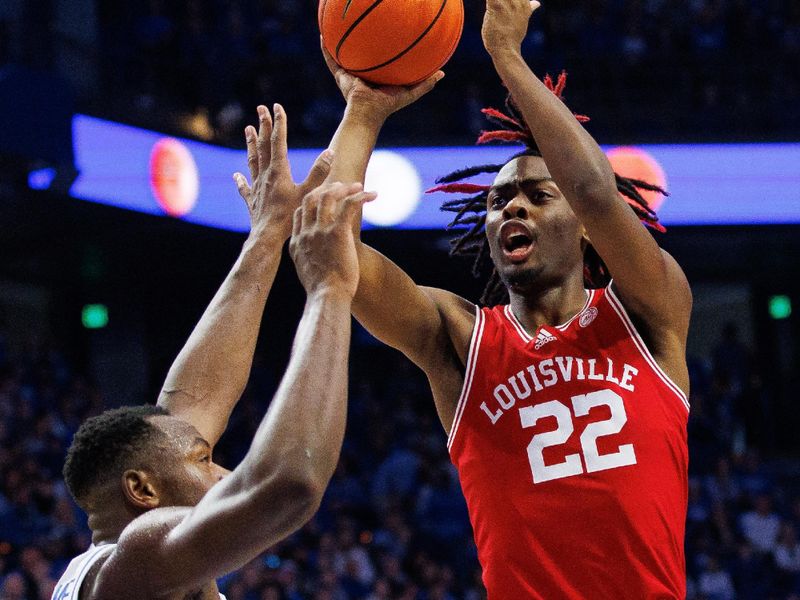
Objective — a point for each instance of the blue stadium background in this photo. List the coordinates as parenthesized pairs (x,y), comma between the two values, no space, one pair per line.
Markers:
(393,523)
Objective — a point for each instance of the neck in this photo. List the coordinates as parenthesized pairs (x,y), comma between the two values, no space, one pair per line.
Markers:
(108,517)
(551,305)
(105,529)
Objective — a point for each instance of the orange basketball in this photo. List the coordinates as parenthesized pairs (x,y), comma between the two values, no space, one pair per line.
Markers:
(391,42)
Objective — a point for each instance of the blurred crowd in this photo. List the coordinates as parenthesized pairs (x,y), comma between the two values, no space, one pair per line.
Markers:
(645,70)
(393,524)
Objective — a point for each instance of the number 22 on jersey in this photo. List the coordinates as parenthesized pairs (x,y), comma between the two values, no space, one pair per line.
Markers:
(572,464)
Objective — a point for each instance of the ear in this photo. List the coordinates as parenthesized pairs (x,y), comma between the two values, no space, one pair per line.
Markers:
(139,490)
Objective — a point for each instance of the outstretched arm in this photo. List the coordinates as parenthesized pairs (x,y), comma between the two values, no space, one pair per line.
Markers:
(650,281)
(280,483)
(209,375)
(388,303)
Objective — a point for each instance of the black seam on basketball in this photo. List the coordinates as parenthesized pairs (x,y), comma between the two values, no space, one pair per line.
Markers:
(407,50)
(346,8)
(354,25)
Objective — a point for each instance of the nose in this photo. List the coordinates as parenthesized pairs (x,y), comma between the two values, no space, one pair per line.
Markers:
(516,208)
(221,473)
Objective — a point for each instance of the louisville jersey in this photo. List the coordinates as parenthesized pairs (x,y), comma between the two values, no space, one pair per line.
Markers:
(571,449)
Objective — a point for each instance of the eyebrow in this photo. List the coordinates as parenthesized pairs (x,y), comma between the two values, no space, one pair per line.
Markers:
(528,181)
(198,441)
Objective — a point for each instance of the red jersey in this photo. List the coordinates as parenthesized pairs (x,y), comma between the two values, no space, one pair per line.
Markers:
(571,449)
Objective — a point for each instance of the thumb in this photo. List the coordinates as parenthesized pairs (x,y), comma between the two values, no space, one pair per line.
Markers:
(426,86)
(319,171)
(535,5)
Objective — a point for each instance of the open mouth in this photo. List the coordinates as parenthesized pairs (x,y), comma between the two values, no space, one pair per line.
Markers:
(516,241)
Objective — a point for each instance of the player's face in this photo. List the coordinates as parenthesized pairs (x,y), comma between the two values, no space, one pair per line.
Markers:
(535,239)
(188,469)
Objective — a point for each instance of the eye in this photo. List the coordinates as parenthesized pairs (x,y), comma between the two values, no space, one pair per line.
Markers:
(541,196)
(497,201)
(206,458)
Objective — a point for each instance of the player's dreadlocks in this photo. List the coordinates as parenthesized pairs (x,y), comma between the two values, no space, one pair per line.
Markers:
(470,211)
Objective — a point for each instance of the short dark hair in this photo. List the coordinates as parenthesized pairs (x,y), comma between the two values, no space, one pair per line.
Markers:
(104,446)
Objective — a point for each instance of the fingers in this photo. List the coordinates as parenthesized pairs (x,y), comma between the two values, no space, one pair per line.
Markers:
(309,207)
(333,199)
(324,204)
(297,221)
(350,209)
(426,86)
(252,151)
(344,80)
(258,148)
(535,5)
(242,187)
(279,155)
(318,173)
(333,66)
(262,141)
(327,208)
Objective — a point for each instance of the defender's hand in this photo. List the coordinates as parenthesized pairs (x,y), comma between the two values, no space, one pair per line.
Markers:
(376,102)
(505,24)
(273,197)
(323,246)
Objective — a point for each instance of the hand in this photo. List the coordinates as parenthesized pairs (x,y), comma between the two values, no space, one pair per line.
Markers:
(377,102)
(273,197)
(505,25)
(323,247)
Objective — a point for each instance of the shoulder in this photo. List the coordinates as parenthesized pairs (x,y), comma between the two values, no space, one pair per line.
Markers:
(458,318)
(664,335)
(138,557)
(81,572)
(87,584)
(670,308)
(449,301)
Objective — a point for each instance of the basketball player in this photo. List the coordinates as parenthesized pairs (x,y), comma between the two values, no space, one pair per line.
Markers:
(165,519)
(565,407)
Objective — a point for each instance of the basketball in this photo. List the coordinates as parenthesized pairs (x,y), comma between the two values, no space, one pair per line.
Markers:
(391,42)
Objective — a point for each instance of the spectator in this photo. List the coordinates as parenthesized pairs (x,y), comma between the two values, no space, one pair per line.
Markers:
(722,487)
(787,558)
(14,587)
(761,525)
(715,583)
(205,59)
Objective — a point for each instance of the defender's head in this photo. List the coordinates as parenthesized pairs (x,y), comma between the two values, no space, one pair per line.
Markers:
(137,458)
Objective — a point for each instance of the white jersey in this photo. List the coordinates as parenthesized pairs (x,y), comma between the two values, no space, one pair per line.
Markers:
(69,586)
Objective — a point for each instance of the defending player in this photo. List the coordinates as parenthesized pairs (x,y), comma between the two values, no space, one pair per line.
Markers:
(166,521)
(566,408)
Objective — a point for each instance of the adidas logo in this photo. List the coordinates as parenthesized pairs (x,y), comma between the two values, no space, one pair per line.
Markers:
(543,337)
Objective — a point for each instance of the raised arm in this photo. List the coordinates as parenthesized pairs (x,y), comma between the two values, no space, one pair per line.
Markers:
(209,375)
(427,325)
(280,483)
(650,282)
